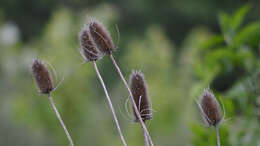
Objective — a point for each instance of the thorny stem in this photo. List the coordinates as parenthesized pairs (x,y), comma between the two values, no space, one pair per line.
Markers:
(145,138)
(110,103)
(132,99)
(217,133)
(61,122)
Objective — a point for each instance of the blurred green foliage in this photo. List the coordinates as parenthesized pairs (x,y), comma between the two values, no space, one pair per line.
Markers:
(227,61)
(232,59)
(177,17)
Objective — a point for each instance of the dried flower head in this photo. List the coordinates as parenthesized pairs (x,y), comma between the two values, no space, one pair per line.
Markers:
(88,48)
(42,77)
(101,37)
(210,108)
(139,91)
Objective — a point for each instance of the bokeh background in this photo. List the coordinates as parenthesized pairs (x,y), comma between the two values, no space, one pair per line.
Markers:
(181,46)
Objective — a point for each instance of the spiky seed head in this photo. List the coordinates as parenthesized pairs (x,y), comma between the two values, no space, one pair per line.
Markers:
(101,37)
(88,48)
(139,91)
(42,77)
(210,107)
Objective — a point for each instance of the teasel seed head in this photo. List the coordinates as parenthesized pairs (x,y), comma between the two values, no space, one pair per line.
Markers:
(42,77)
(88,47)
(101,37)
(139,91)
(210,108)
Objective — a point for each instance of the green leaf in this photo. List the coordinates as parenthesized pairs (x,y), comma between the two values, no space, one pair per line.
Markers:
(225,25)
(230,24)
(238,17)
(224,22)
(212,42)
(249,35)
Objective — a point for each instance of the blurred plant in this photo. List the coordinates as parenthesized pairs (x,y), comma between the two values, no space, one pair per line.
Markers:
(231,61)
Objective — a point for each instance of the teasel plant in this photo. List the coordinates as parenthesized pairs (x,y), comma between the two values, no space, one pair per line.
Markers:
(45,85)
(211,111)
(105,44)
(91,53)
(138,88)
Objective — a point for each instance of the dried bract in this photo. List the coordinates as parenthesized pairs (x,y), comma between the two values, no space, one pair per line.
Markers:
(101,37)
(210,108)
(88,47)
(139,91)
(42,77)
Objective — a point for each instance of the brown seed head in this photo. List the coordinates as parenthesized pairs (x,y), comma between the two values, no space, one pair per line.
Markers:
(42,77)
(210,107)
(139,91)
(88,47)
(101,37)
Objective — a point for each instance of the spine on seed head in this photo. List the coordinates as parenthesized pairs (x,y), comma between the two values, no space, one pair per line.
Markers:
(139,90)
(88,47)
(210,108)
(101,37)
(42,77)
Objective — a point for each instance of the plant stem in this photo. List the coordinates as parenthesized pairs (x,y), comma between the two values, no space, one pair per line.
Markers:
(132,99)
(145,137)
(110,103)
(218,138)
(61,122)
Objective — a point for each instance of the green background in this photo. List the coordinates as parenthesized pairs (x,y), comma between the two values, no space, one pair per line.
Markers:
(182,47)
